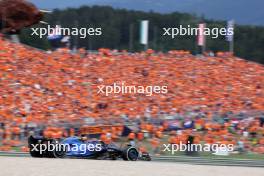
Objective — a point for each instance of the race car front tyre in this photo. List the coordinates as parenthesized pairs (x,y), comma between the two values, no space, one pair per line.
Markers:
(130,154)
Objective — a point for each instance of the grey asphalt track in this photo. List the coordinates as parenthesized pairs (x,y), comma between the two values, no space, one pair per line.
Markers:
(181,159)
(26,166)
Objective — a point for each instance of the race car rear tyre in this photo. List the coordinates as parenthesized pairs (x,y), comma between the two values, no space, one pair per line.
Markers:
(60,151)
(130,154)
(33,149)
(35,154)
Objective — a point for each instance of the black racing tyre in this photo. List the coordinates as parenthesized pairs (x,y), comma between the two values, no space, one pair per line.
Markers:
(35,154)
(60,150)
(130,154)
(33,145)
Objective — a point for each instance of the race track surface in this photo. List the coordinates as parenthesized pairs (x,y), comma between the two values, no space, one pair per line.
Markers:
(18,166)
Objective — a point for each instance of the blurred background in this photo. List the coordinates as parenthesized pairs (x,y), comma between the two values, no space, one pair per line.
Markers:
(215,88)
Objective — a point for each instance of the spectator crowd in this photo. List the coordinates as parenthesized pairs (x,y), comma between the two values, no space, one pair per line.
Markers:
(215,99)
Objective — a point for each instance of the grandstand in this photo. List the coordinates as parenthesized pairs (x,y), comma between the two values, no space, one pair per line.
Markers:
(40,91)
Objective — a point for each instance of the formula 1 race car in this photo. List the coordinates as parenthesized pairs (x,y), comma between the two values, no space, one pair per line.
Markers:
(75,147)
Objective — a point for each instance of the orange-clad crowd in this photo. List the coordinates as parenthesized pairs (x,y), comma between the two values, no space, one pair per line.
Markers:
(215,99)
